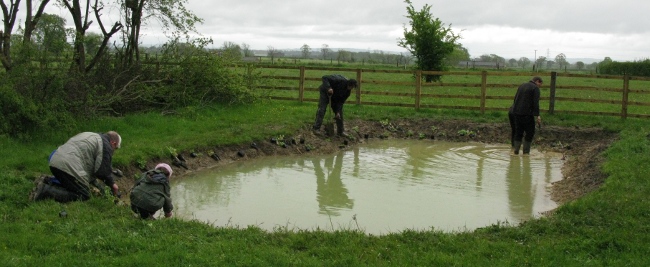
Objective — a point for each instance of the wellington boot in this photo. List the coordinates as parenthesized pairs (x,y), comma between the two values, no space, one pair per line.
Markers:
(340,128)
(58,193)
(37,193)
(516,147)
(527,147)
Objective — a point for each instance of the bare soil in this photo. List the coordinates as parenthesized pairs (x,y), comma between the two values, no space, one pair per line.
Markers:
(581,148)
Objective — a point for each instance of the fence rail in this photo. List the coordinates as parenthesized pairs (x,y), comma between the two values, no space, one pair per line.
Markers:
(593,95)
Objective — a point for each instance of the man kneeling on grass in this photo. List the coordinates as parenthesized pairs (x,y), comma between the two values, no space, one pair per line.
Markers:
(152,192)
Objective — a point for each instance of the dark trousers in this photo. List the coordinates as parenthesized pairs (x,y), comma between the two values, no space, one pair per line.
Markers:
(76,188)
(323,101)
(524,124)
(511,119)
(144,214)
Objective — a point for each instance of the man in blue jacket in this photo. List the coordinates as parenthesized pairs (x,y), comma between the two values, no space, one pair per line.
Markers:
(338,88)
(525,110)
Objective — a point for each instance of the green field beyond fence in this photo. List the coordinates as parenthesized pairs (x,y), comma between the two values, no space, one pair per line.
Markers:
(562,93)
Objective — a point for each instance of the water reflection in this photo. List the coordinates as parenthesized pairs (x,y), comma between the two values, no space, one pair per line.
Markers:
(379,187)
(519,181)
(330,191)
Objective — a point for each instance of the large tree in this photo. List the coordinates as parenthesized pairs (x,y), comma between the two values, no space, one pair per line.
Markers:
(428,39)
(172,15)
(80,12)
(9,15)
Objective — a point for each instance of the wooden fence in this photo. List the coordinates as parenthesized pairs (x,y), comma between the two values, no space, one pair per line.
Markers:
(591,97)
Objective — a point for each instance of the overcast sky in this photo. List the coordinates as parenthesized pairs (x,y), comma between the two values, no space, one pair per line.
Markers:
(509,28)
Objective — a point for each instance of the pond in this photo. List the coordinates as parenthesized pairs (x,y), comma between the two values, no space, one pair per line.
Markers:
(380,187)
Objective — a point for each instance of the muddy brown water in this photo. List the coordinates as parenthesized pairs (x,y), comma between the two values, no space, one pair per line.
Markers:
(381,187)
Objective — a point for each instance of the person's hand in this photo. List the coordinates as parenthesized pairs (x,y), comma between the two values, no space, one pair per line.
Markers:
(330,91)
(338,116)
(168,214)
(539,121)
(116,191)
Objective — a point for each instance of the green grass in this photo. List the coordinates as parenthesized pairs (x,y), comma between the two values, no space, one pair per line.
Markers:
(609,227)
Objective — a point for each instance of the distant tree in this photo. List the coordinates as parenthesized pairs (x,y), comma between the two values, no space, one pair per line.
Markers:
(305,50)
(428,40)
(607,60)
(523,62)
(560,59)
(231,51)
(50,34)
(325,51)
(246,49)
(550,64)
(459,54)
(273,53)
(540,62)
(270,52)
(580,65)
(344,55)
(513,62)
(493,58)
(92,42)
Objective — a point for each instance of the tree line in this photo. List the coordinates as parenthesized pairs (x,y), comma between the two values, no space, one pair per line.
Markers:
(49,83)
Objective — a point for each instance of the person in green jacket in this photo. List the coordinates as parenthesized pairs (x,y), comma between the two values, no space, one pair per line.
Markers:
(77,164)
(152,192)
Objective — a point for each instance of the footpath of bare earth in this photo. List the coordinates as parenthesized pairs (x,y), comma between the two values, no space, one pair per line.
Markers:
(581,148)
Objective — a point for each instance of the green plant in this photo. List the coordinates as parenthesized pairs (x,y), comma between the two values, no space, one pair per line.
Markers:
(464,132)
(141,163)
(280,140)
(172,151)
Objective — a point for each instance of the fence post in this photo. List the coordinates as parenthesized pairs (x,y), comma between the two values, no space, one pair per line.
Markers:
(359,77)
(301,85)
(626,93)
(551,99)
(418,88)
(483,90)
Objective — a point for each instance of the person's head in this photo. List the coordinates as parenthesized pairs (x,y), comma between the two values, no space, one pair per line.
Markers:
(537,80)
(165,168)
(115,139)
(352,83)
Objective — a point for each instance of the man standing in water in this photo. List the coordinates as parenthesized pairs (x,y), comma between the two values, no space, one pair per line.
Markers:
(525,110)
(338,88)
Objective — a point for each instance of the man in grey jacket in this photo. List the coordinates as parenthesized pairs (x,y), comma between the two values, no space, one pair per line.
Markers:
(77,163)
